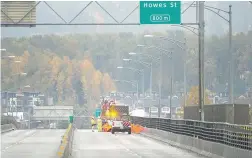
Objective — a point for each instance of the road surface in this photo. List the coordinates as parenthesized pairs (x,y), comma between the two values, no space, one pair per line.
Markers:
(31,143)
(89,144)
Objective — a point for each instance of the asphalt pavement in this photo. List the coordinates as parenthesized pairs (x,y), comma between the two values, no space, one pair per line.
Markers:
(89,144)
(31,143)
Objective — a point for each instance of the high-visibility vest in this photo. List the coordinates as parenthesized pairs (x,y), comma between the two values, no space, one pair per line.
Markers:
(92,121)
(99,121)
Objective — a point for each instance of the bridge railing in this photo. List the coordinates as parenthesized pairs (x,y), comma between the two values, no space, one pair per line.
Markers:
(9,120)
(239,136)
(7,128)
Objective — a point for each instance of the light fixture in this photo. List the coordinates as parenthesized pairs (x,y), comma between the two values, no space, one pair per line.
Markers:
(140,45)
(148,36)
(23,73)
(132,53)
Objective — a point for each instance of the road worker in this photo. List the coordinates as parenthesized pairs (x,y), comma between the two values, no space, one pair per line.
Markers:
(99,124)
(93,123)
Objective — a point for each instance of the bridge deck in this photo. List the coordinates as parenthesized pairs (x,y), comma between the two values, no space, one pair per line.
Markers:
(100,145)
(31,143)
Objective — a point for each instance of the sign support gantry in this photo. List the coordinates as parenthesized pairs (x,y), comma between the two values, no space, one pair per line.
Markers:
(28,19)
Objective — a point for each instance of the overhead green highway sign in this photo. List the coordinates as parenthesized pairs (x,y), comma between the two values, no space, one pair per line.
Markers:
(160,12)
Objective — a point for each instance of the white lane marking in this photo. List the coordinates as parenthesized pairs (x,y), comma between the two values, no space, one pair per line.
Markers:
(148,143)
(127,149)
(30,134)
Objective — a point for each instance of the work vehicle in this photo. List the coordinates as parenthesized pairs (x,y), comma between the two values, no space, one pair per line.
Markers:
(117,116)
(121,125)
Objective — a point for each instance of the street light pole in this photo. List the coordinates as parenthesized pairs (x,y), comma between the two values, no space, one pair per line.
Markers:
(171,85)
(201,36)
(151,79)
(231,84)
(137,92)
(185,79)
(7,103)
(137,70)
(143,83)
(231,66)
(159,86)
(161,76)
(201,60)
(151,66)
(135,84)
(185,73)
(29,125)
(197,11)
(145,64)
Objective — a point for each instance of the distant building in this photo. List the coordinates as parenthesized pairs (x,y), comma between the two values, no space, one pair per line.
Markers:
(21,101)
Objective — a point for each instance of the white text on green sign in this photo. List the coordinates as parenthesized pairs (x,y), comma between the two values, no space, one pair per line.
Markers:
(160,12)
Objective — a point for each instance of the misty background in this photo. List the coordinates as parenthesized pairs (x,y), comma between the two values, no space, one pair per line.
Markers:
(242,21)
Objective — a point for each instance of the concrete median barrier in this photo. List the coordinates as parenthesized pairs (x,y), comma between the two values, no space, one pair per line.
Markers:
(202,147)
(7,128)
(65,148)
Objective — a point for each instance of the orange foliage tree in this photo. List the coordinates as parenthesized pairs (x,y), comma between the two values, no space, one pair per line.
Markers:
(21,62)
(59,74)
(108,83)
(94,81)
(193,97)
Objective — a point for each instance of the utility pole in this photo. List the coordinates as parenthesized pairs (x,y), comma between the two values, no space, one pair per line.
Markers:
(201,59)
(231,65)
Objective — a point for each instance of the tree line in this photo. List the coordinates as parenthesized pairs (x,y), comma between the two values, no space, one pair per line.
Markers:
(69,66)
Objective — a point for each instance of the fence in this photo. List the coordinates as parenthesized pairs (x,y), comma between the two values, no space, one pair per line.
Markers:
(10,120)
(7,128)
(238,136)
(82,122)
(65,148)
(231,113)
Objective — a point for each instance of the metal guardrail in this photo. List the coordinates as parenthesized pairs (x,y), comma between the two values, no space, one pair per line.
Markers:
(65,148)
(9,120)
(239,136)
(7,128)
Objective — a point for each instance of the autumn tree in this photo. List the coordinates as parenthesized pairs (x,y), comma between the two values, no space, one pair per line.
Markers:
(20,62)
(108,84)
(60,85)
(55,64)
(96,84)
(63,65)
(193,97)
